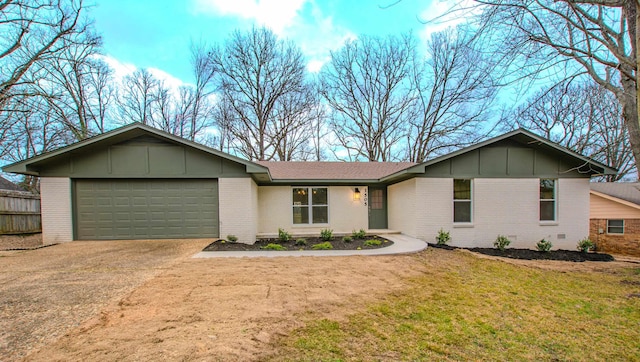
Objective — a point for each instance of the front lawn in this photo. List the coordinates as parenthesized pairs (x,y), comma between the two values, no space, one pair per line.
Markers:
(470,308)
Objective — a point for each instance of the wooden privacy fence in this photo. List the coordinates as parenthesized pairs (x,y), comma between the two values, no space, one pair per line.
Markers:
(19,212)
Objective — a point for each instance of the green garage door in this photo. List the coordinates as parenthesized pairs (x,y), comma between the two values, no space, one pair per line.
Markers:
(145,209)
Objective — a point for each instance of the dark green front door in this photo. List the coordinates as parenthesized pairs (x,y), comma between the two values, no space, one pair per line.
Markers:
(377,207)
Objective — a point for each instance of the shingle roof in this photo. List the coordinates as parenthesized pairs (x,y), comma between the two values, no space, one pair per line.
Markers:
(628,191)
(8,185)
(300,170)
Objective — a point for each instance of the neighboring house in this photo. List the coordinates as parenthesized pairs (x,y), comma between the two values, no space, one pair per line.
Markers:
(137,182)
(8,185)
(615,217)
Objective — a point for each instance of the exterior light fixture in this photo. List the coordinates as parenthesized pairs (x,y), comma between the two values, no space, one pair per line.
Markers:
(356,194)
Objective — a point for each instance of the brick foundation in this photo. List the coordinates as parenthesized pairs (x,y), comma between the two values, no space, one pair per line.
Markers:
(627,244)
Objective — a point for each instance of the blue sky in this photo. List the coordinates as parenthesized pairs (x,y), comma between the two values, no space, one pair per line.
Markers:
(157,34)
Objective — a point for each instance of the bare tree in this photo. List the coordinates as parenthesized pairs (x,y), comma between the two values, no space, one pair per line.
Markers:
(33,31)
(257,76)
(583,117)
(76,86)
(572,38)
(455,90)
(136,98)
(367,85)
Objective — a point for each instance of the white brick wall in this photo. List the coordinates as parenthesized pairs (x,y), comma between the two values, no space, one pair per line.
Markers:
(401,210)
(275,204)
(434,207)
(504,207)
(238,211)
(55,201)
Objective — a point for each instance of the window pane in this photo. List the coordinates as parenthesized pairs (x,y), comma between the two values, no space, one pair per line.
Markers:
(300,215)
(547,210)
(462,189)
(300,196)
(615,226)
(546,189)
(376,199)
(319,196)
(462,211)
(320,214)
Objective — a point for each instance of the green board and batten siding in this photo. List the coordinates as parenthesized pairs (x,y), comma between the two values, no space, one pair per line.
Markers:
(507,160)
(145,209)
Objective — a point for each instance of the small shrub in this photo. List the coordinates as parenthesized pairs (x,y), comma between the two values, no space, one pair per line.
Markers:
(272,246)
(323,246)
(372,242)
(585,245)
(326,234)
(283,235)
(544,245)
(359,248)
(301,241)
(347,239)
(232,238)
(501,242)
(360,234)
(443,237)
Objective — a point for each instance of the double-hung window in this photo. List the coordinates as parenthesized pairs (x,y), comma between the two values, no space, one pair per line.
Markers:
(462,200)
(548,199)
(310,205)
(615,226)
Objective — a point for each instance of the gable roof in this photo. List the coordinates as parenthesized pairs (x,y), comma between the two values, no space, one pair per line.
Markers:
(627,191)
(332,171)
(307,172)
(520,135)
(29,166)
(8,185)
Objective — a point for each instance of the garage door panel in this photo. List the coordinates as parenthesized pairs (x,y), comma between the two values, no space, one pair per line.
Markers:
(142,209)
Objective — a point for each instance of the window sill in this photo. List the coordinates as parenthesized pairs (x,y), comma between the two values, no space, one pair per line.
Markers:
(309,225)
(462,225)
(549,223)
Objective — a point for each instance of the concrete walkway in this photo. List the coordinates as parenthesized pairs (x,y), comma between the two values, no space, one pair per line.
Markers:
(402,244)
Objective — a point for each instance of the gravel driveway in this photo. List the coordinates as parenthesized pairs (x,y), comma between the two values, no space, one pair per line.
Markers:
(44,293)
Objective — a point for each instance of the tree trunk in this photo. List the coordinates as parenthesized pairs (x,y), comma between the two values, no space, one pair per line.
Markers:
(635,143)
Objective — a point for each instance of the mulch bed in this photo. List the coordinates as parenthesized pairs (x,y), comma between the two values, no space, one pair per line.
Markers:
(337,242)
(527,254)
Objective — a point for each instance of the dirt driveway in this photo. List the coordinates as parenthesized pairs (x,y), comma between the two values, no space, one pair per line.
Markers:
(150,301)
(46,292)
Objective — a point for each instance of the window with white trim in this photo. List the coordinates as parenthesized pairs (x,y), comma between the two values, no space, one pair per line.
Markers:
(548,199)
(615,226)
(310,205)
(462,204)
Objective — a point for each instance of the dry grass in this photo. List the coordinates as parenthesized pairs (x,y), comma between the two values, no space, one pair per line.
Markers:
(470,308)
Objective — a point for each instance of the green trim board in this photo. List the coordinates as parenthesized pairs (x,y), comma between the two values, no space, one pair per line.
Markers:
(141,146)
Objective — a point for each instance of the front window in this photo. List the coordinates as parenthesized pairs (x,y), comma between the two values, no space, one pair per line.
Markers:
(615,226)
(547,199)
(462,200)
(310,205)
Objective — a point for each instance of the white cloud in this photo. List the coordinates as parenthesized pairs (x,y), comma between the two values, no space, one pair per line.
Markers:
(274,14)
(317,35)
(121,70)
(301,21)
(442,14)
